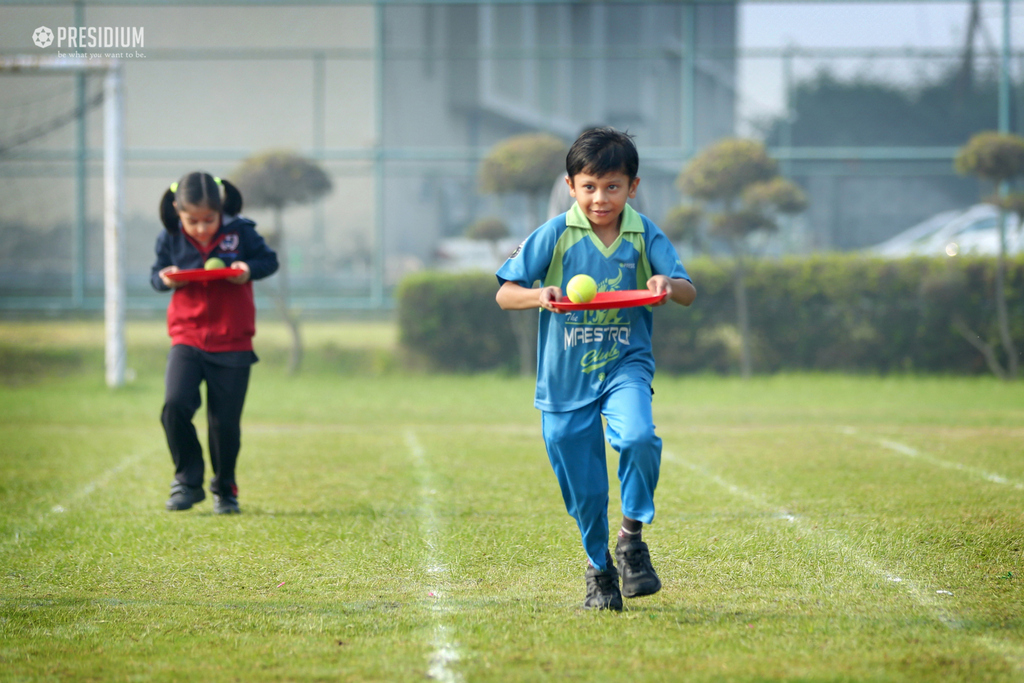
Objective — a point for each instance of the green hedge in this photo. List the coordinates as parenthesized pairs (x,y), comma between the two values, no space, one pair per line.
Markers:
(832,312)
(452,323)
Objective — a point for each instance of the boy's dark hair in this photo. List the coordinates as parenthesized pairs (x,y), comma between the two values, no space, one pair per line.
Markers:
(199,189)
(603,150)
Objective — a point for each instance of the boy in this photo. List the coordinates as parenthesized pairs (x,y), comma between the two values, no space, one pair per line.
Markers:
(594,363)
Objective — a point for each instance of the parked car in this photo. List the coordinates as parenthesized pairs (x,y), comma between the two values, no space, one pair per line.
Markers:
(970,231)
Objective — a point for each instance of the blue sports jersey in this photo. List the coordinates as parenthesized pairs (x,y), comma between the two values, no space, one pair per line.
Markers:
(583,354)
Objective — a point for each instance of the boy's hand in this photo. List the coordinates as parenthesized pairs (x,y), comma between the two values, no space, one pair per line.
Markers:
(660,284)
(549,297)
(168,282)
(243,275)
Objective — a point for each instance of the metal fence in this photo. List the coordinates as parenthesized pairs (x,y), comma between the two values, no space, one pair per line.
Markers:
(400,100)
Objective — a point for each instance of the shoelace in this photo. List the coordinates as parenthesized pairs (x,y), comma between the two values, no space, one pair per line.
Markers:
(638,559)
(605,581)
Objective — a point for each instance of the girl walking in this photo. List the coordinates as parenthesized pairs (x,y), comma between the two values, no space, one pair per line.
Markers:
(211,325)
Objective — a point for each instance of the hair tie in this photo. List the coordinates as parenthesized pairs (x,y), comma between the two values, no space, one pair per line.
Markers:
(217,180)
(174,187)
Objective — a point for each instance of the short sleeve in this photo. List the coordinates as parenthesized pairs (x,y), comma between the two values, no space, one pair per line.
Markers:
(663,256)
(531,259)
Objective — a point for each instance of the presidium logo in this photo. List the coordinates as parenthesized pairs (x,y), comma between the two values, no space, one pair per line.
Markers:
(42,37)
(91,36)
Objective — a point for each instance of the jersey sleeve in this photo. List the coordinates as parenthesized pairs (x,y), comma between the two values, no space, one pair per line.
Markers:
(531,259)
(663,256)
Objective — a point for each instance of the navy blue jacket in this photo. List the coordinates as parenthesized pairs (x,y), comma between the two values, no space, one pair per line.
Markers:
(214,316)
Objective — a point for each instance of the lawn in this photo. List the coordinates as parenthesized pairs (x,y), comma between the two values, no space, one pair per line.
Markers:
(404,526)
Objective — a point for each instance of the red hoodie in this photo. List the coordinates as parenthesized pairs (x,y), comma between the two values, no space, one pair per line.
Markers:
(218,315)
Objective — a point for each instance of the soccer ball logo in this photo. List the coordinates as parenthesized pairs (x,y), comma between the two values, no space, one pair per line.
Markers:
(42,37)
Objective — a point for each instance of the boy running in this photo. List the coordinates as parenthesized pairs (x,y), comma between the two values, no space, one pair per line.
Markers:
(594,363)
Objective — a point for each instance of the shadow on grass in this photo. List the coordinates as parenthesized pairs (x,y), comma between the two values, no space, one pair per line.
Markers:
(20,365)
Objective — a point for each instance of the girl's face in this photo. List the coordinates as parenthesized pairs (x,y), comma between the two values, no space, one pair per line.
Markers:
(199,222)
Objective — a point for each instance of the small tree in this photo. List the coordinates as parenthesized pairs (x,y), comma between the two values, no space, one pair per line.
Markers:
(743,181)
(524,164)
(487,230)
(491,230)
(999,158)
(682,225)
(276,180)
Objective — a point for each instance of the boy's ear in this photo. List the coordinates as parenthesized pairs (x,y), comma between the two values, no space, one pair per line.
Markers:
(632,188)
(572,188)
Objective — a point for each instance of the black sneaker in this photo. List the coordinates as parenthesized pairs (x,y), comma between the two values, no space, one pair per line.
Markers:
(183,497)
(638,576)
(603,588)
(225,504)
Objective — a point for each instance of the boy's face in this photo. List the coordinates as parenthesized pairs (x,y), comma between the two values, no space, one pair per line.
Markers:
(199,222)
(602,198)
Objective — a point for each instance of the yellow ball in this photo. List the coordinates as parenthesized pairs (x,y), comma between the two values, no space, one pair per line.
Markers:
(581,289)
(214,264)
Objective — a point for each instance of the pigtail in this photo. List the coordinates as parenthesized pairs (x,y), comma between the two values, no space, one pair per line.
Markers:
(232,199)
(200,189)
(168,214)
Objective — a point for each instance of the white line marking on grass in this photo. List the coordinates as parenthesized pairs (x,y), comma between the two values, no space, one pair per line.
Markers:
(48,517)
(912,452)
(446,650)
(1012,653)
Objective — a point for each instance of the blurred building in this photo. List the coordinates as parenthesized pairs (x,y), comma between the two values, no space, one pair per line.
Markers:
(405,96)
(459,78)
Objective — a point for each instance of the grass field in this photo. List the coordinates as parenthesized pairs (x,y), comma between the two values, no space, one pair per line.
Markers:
(402,527)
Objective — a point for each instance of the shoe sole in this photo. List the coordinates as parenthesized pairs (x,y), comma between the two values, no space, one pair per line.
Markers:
(601,608)
(175,507)
(640,592)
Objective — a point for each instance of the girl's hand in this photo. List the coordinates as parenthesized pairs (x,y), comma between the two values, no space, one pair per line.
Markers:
(660,284)
(243,275)
(549,297)
(168,282)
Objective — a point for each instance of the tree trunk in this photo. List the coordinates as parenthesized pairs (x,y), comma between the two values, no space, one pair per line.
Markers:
(283,307)
(742,316)
(1001,312)
(977,342)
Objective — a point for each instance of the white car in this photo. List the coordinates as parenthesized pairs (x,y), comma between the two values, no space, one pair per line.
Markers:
(971,231)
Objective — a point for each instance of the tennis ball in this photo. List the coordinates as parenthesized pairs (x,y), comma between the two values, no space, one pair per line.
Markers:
(214,263)
(581,289)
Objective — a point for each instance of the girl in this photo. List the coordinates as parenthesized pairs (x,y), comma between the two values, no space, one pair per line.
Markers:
(211,325)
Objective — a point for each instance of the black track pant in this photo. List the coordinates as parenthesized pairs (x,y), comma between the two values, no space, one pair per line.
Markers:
(225,395)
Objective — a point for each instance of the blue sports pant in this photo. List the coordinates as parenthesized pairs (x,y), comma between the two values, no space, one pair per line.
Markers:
(575,444)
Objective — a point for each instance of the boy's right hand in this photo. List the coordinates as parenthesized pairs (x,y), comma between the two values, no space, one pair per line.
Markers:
(173,284)
(549,297)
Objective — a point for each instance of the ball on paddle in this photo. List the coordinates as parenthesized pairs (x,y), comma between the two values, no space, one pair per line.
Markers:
(214,264)
(581,289)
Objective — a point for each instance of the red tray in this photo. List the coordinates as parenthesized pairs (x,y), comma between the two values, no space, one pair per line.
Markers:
(203,275)
(623,299)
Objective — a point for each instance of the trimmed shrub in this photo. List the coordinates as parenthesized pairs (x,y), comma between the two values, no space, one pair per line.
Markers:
(451,322)
(830,312)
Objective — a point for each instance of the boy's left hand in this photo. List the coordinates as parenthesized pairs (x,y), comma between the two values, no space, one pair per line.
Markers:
(660,284)
(243,275)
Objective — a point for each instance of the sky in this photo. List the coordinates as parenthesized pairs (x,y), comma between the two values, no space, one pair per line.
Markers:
(918,25)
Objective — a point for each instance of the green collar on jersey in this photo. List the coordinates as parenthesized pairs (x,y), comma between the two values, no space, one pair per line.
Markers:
(631,221)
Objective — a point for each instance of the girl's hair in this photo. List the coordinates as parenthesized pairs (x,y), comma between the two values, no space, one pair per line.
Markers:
(199,189)
(603,150)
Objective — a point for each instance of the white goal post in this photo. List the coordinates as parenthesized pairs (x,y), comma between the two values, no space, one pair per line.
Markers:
(113,192)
